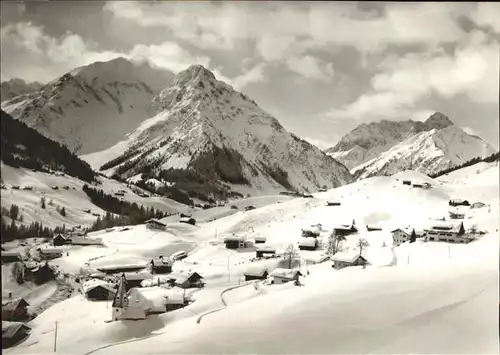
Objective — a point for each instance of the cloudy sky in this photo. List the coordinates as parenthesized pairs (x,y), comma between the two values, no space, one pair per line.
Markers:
(321,68)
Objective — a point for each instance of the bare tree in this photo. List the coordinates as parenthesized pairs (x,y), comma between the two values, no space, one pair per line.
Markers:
(290,256)
(362,245)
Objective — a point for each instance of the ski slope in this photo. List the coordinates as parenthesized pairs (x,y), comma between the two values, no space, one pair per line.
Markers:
(414,298)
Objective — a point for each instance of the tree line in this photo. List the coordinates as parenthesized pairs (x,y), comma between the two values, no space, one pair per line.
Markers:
(489,159)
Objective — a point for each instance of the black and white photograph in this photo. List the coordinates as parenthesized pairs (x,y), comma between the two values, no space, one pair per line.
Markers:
(250,177)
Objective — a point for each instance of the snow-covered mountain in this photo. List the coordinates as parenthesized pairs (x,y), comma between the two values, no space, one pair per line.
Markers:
(92,107)
(368,141)
(206,133)
(427,152)
(16,87)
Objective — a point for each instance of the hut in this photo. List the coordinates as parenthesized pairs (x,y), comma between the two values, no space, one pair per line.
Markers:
(10,256)
(346,229)
(342,260)
(308,243)
(281,276)
(256,272)
(59,240)
(98,290)
(49,253)
(155,224)
(264,249)
(13,333)
(188,220)
(179,255)
(235,242)
(15,310)
(161,265)
(187,280)
(260,239)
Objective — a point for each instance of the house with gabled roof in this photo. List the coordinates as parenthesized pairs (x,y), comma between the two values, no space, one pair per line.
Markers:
(186,280)
(256,272)
(308,243)
(447,232)
(161,265)
(155,224)
(281,276)
(402,235)
(13,333)
(15,309)
(346,229)
(342,260)
(98,290)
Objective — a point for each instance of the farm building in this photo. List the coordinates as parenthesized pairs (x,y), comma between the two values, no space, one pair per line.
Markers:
(134,279)
(447,232)
(59,240)
(260,240)
(187,280)
(281,276)
(85,241)
(10,256)
(235,242)
(188,220)
(256,272)
(264,249)
(15,310)
(50,253)
(116,269)
(346,229)
(161,265)
(372,228)
(98,290)
(458,202)
(402,235)
(13,333)
(312,231)
(308,243)
(407,182)
(155,224)
(457,212)
(342,260)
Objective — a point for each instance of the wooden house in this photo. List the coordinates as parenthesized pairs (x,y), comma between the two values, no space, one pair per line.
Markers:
(342,260)
(98,290)
(15,310)
(281,276)
(188,220)
(346,229)
(13,333)
(59,240)
(161,265)
(447,232)
(260,239)
(10,256)
(235,242)
(402,235)
(264,250)
(256,273)
(155,224)
(186,280)
(50,253)
(308,243)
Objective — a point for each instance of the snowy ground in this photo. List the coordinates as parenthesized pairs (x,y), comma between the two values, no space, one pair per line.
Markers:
(437,298)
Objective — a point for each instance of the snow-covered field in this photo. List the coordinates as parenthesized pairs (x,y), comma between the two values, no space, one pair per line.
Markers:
(415,298)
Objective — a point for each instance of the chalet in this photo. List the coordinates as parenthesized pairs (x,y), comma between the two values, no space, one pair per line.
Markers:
(41,274)
(250,207)
(281,276)
(447,232)
(161,265)
(308,243)
(10,256)
(59,240)
(98,290)
(332,203)
(342,260)
(402,235)
(50,253)
(15,310)
(13,333)
(407,182)
(458,202)
(263,250)
(155,224)
(135,279)
(235,242)
(260,240)
(256,273)
(371,228)
(85,241)
(187,280)
(116,269)
(188,220)
(346,229)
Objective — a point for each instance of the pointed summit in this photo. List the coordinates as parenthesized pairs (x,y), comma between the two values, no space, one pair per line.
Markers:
(438,120)
(194,74)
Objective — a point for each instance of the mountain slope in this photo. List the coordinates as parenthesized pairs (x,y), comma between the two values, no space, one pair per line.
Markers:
(206,133)
(16,87)
(92,107)
(368,141)
(427,152)
(23,146)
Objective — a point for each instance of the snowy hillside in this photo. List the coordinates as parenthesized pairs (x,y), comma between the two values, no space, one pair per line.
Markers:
(93,107)
(203,125)
(369,141)
(427,152)
(421,297)
(16,87)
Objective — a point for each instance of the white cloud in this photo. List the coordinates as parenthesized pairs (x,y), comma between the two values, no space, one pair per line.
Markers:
(487,14)
(311,68)
(322,144)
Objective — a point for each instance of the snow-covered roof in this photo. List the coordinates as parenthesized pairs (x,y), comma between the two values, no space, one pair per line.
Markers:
(442,225)
(10,329)
(234,238)
(155,221)
(93,283)
(266,248)
(162,262)
(285,273)
(348,257)
(180,278)
(11,253)
(129,276)
(406,230)
(120,267)
(478,205)
(260,238)
(255,270)
(51,251)
(187,219)
(307,242)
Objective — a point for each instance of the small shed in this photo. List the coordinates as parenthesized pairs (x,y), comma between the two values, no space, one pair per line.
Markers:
(188,220)
(256,273)
(115,269)
(15,310)
(281,276)
(10,256)
(161,265)
(187,280)
(98,290)
(235,242)
(13,333)
(260,239)
(308,243)
(59,240)
(342,260)
(332,203)
(155,224)
(264,249)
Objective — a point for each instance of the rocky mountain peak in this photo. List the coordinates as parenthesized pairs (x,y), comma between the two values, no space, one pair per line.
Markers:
(438,120)
(194,74)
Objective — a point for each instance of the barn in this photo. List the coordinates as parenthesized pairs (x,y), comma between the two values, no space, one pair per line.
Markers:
(342,260)
(155,224)
(264,249)
(161,265)
(346,229)
(332,203)
(187,280)
(15,310)
(11,256)
(235,242)
(98,290)
(50,253)
(13,333)
(260,239)
(59,240)
(308,243)
(281,276)
(85,241)
(135,279)
(256,272)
